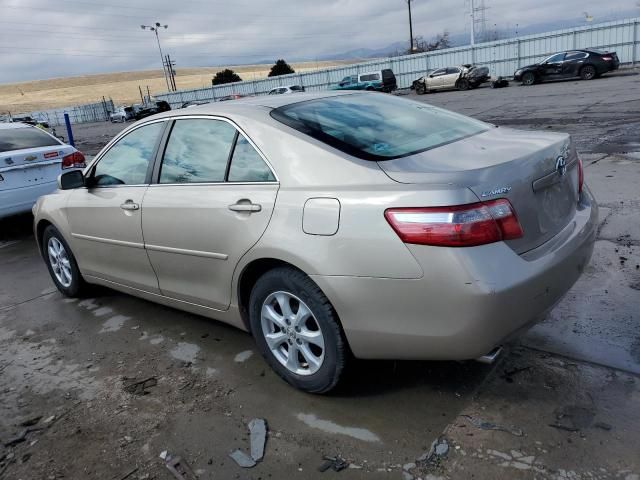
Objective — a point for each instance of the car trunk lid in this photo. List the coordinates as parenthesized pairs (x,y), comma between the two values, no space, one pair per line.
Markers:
(32,166)
(536,171)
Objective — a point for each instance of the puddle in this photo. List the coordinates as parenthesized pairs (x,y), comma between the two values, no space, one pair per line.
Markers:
(243,356)
(99,312)
(89,304)
(114,324)
(186,352)
(36,367)
(330,427)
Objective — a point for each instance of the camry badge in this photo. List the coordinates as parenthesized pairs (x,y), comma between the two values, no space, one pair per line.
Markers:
(496,191)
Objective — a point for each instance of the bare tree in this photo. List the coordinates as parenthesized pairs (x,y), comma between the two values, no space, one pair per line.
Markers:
(441,41)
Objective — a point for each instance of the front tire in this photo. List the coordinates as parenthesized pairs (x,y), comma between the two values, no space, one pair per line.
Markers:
(463,84)
(61,263)
(421,88)
(297,330)
(588,72)
(528,79)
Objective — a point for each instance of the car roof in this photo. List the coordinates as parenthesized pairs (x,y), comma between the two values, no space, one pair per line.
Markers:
(8,125)
(266,101)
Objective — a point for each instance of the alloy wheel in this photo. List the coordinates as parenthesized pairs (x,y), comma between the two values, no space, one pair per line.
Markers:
(292,333)
(528,79)
(59,261)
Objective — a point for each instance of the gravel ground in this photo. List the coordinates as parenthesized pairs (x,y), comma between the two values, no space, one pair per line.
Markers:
(562,402)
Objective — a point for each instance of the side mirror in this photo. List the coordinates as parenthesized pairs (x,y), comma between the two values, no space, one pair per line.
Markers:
(71,180)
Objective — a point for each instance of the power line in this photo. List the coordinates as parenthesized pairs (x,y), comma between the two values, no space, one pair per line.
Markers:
(199,15)
(96,53)
(204,35)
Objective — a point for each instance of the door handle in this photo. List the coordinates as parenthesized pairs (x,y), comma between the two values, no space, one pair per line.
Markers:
(245,207)
(129,205)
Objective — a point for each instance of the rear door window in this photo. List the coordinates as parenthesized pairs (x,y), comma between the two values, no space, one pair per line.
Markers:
(576,56)
(197,151)
(24,137)
(247,165)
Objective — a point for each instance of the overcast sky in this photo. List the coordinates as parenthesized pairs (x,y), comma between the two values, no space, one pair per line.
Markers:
(52,38)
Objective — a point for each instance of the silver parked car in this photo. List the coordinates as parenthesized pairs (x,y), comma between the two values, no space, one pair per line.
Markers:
(328,225)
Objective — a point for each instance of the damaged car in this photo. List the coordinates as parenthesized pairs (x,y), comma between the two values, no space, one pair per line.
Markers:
(330,225)
(463,77)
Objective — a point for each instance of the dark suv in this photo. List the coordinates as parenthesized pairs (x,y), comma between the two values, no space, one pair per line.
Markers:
(586,64)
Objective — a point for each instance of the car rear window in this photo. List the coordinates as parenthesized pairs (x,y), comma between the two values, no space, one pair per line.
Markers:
(21,138)
(377,127)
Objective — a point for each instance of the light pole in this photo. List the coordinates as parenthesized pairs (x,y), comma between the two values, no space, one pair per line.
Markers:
(155,28)
(410,27)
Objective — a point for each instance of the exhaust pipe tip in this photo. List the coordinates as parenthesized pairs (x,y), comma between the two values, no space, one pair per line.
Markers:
(490,357)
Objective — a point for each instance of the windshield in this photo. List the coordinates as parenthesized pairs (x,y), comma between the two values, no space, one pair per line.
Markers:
(21,138)
(377,127)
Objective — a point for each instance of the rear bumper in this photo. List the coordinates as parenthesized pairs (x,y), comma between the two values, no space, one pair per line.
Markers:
(469,300)
(20,200)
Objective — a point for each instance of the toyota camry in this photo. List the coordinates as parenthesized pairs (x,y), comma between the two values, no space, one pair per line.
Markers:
(330,226)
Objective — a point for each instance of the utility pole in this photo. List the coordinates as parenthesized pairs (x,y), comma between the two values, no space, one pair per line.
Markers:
(155,28)
(473,23)
(172,73)
(410,27)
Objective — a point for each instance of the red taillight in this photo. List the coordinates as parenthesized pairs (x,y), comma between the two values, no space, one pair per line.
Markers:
(456,226)
(607,59)
(580,175)
(73,160)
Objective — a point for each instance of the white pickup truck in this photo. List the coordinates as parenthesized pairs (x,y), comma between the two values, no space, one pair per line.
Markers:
(30,162)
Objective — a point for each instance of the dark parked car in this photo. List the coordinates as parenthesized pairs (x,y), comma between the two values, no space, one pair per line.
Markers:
(30,121)
(152,109)
(586,64)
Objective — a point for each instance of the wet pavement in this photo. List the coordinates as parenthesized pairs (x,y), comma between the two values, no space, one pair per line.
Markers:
(565,396)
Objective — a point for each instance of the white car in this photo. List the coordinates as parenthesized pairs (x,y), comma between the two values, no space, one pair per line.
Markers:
(122,114)
(463,77)
(30,162)
(286,89)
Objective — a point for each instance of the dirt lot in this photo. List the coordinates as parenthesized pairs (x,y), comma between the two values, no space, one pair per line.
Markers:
(562,403)
(122,87)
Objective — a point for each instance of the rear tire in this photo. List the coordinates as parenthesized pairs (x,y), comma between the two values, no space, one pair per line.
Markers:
(588,72)
(289,315)
(528,78)
(61,263)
